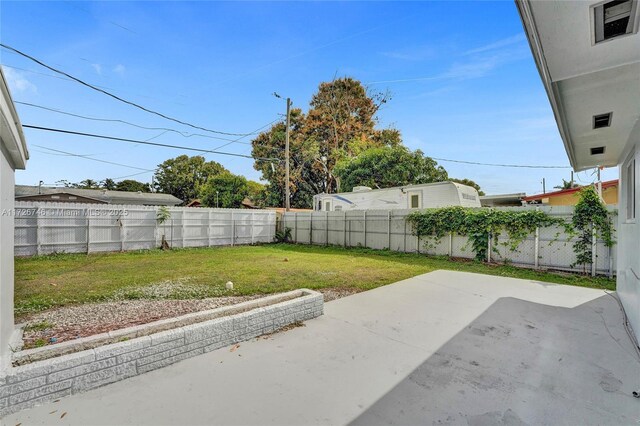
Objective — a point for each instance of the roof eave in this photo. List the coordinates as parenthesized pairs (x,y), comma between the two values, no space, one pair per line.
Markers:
(528,22)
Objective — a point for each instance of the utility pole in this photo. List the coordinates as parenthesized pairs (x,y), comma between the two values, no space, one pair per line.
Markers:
(544,187)
(287,182)
(287,199)
(599,185)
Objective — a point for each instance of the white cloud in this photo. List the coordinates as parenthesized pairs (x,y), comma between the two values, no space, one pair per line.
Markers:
(17,82)
(97,68)
(497,44)
(419,53)
(119,69)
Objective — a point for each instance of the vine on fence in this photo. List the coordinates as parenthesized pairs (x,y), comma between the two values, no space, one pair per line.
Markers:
(478,224)
(590,219)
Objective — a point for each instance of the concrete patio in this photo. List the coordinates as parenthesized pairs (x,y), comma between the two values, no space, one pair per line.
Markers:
(440,348)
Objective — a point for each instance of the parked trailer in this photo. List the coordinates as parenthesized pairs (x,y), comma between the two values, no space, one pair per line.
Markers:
(429,195)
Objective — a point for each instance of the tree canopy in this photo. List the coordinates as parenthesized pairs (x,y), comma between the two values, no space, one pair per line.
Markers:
(225,190)
(340,124)
(388,167)
(132,186)
(183,176)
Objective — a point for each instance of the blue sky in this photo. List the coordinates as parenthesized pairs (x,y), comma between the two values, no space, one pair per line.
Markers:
(463,81)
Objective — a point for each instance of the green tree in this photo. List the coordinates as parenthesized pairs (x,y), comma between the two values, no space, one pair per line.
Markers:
(183,176)
(86,184)
(340,124)
(109,184)
(388,167)
(256,192)
(224,190)
(470,183)
(132,186)
(567,184)
(590,219)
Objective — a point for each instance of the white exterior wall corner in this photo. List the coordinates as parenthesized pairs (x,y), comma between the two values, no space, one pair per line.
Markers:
(13,155)
(628,245)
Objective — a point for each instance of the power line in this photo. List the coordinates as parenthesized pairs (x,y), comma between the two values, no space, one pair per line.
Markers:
(115,120)
(115,96)
(92,159)
(526,166)
(92,135)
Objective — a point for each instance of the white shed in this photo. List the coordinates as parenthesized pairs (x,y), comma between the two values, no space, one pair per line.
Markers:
(429,195)
(13,156)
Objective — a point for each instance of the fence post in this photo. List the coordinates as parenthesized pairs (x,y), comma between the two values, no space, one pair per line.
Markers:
(404,245)
(489,248)
(326,233)
(536,249)
(233,230)
(311,228)
(123,233)
(389,229)
(344,228)
(295,227)
(88,232)
(594,246)
(209,229)
(182,228)
(450,244)
(38,233)
(364,227)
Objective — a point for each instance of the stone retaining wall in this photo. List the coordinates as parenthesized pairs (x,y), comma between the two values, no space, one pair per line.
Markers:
(27,385)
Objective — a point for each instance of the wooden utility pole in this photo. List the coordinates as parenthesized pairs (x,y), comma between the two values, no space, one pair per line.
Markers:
(287,199)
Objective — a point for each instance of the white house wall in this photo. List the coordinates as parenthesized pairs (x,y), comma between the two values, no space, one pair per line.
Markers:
(628,246)
(6,257)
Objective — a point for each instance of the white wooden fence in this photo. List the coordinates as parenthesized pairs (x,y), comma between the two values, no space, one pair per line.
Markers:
(548,248)
(44,227)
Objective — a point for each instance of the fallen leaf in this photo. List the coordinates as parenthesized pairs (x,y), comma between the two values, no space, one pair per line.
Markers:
(63,414)
(234,347)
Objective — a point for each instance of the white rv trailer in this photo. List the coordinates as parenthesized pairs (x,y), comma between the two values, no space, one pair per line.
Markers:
(429,195)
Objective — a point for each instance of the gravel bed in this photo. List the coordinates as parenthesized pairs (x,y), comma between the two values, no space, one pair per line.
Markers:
(72,322)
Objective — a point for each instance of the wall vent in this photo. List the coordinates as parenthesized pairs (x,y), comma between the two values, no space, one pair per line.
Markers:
(602,120)
(597,150)
(613,19)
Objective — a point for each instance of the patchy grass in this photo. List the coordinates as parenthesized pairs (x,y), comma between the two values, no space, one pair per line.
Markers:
(51,281)
(39,326)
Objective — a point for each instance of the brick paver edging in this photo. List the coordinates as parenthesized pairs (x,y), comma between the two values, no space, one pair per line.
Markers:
(41,381)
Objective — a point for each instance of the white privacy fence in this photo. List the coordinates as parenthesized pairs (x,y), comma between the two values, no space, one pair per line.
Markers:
(548,248)
(44,228)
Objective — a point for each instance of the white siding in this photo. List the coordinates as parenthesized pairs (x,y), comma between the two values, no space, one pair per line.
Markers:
(628,247)
(6,257)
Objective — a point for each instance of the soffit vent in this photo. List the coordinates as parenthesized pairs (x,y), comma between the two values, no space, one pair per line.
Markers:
(597,150)
(613,19)
(602,120)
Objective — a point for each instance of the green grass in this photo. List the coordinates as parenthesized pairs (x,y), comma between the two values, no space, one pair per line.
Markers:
(50,281)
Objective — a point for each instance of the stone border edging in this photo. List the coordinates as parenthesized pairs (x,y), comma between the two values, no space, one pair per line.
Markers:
(197,333)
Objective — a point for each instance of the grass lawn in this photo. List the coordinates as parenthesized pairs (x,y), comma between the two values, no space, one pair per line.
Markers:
(50,281)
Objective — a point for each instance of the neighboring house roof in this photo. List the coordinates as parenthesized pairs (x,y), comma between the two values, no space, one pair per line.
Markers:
(195,203)
(605,185)
(502,199)
(101,195)
(282,209)
(11,135)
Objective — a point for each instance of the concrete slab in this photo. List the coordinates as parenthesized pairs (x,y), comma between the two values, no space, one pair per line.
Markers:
(440,348)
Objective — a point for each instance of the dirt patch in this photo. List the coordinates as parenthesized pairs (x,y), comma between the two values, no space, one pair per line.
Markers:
(73,322)
(334,293)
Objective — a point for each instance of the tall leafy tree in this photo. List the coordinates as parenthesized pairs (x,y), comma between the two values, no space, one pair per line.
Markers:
(224,190)
(183,176)
(388,167)
(132,186)
(340,124)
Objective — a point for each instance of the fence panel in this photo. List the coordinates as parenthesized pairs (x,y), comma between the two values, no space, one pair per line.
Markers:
(44,227)
(549,247)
